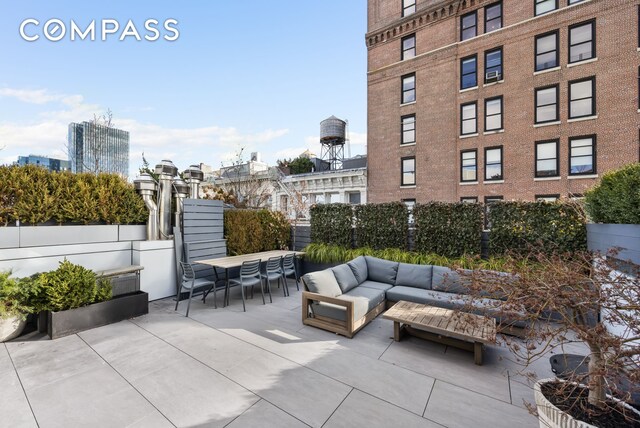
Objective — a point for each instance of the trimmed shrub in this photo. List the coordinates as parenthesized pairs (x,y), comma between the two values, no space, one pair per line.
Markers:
(71,286)
(248,231)
(17,296)
(382,225)
(34,195)
(616,199)
(448,229)
(549,227)
(331,224)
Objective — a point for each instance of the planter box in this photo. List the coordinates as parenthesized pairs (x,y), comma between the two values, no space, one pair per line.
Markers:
(602,237)
(64,323)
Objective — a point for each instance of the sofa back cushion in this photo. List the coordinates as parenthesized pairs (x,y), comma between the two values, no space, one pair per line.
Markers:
(381,270)
(322,282)
(445,279)
(418,276)
(345,277)
(359,268)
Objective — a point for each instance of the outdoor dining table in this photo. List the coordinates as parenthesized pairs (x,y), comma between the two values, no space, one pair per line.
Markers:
(230,262)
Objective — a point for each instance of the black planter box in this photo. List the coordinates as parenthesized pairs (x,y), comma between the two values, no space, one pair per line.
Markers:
(64,323)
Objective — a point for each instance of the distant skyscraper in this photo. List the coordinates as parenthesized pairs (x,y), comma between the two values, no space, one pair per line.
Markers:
(96,148)
(45,162)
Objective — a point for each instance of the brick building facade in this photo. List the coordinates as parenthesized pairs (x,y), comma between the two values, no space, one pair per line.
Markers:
(513,99)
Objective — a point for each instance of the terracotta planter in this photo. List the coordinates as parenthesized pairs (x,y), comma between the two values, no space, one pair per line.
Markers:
(10,328)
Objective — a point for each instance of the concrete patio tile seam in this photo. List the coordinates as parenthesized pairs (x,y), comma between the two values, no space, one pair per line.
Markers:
(218,372)
(127,381)
(256,404)
(428,398)
(320,372)
(21,385)
(336,409)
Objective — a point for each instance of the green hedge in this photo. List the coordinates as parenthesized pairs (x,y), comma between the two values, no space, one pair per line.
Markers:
(448,229)
(331,224)
(34,195)
(519,227)
(321,253)
(616,199)
(249,231)
(382,226)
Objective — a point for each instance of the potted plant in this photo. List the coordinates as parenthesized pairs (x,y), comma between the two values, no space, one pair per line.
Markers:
(572,299)
(16,296)
(75,300)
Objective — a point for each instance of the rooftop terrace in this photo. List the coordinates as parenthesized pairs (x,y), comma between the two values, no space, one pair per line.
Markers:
(223,367)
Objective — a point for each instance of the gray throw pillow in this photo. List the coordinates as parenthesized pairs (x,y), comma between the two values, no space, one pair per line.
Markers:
(381,270)
(359,268)
(345,277)
(418,276)
(322,282)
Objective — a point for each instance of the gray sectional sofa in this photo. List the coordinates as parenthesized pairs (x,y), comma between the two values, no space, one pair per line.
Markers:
(343,299)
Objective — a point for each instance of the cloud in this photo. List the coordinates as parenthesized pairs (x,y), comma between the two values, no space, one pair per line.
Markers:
(47,134)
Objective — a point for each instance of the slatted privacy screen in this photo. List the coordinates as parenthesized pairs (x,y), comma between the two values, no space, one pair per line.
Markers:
(203,220)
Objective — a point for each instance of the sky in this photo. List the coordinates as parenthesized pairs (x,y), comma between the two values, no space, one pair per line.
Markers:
(257,75)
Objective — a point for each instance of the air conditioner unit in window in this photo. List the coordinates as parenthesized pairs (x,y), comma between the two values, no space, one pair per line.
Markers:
(492,76)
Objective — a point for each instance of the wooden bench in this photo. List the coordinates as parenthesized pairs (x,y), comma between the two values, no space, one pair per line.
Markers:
(453,328)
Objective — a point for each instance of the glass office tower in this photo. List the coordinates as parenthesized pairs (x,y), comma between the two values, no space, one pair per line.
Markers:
(96,148)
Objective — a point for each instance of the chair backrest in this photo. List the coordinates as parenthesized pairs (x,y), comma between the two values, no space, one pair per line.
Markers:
(202,250)
(187,271)
(273,264)
(287,261)
(250,269)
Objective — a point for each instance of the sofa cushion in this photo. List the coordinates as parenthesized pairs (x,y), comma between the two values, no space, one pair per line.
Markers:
(322,282)
(364,300)
(345,277)
(418,276)
(420,295)
(381,270)
(376,285)
(359,268)
(445,279)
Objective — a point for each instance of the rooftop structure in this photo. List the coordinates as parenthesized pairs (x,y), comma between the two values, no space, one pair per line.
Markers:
(96,148)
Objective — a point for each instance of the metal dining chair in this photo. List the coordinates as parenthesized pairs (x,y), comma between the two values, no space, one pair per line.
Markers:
(289,269)
(273,271)
(249,276)
(189,283)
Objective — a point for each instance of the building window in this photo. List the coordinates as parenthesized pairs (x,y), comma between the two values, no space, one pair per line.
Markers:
(493,17)
(354,198)
(493,114)
(547,53)
(574,1)
(410,204)
(488,201)
(582,42)
(582,155)
(493,163)
(547,104)
(547,198)
(493,65)
(408,172)
(408,7)
(544,6)
(469,118)
(469,25)
(469,199)
(408,47)
(469,166)
(582,98)
(469,72)
(408,88)
(408,129)
(547,159)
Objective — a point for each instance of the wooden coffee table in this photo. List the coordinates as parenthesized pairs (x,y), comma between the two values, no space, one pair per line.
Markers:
(454,328)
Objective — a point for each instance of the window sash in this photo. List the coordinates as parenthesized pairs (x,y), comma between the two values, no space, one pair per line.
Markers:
(408,172)
(468,28)
(493,164)
(493,61)
(492,17)
(493,114)
(583,48)
(408,130)
(408,7)
(547,164)
(582,106)
(408,47)
(408,89)
(469,166)
(545,6)
(547,58)
(547,109)
(582,156)
(469,72)
(469,119)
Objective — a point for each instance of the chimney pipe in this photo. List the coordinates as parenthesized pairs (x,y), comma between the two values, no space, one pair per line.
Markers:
(180,192)
(194,176)
(166,170)
(147,187)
